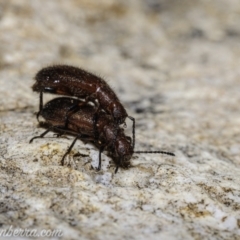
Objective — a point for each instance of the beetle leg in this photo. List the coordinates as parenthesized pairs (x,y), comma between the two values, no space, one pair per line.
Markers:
(133,131)
(40,105)
(44,133)
(116,170)
(69,149)
(100,159)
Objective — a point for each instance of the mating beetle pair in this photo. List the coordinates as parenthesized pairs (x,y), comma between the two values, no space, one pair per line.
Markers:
(98,122)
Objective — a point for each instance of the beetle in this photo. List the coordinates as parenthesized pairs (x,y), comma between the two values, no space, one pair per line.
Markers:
(76,82)
(81,125)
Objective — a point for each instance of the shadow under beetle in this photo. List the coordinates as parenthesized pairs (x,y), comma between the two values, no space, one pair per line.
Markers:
(110,136)
(76,82)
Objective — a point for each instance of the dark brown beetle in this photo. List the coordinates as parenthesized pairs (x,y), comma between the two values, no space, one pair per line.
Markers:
(76,82)
(81,124)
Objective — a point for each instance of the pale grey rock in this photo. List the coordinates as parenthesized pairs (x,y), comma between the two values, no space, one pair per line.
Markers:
(175,67)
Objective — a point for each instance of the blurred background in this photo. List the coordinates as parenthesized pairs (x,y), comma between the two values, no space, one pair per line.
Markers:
(179,57)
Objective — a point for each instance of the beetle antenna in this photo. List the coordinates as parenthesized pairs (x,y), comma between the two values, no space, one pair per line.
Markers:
(161,152)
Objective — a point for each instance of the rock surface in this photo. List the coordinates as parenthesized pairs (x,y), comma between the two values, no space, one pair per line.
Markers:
(175,67)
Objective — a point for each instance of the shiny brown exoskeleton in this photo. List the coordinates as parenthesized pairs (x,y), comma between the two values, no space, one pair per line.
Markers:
(76,82)
(81,124)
